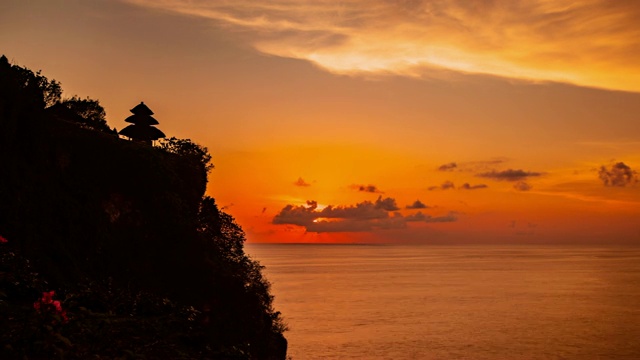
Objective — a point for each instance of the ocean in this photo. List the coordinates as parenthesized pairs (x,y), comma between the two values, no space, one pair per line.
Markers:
(456,302)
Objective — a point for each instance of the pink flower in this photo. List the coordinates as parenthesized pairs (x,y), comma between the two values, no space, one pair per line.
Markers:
(3,240)
(46,305)
(47,297)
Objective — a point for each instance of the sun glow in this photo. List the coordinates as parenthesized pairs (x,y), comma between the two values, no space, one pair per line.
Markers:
(324,219)
(455,120)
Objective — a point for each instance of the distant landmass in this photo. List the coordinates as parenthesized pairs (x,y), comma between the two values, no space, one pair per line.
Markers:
(109,248)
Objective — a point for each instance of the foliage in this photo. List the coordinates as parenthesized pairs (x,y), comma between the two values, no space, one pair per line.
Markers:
(141,263)
(95,320)
(189,150)
(44,92)
(51,90)
(35,91)
(225,234)
(104,319)
(26,323)
(89,113)
(247,291)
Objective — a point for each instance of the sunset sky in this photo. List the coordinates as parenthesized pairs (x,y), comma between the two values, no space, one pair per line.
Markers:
(373,121)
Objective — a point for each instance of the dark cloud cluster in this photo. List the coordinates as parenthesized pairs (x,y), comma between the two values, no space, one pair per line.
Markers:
(301,182)
(509,175)
(297,215)
(388,204)
(417,205)
(367,188)
(448,167)
(618,174)
(447,185)
(366,210)
(363,216)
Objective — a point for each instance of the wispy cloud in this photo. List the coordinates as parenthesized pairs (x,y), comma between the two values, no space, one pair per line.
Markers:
(444,186)
(471,166)
(522,186)
(589,43)
(479,165)
(467,186)
(509,174)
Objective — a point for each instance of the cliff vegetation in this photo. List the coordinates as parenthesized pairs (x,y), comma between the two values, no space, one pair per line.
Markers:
(109,248)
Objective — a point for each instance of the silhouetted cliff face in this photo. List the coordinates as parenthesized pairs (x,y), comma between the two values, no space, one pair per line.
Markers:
(87,207)
(75,196)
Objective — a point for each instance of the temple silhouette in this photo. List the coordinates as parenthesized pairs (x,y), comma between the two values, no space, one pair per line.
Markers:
(141,128)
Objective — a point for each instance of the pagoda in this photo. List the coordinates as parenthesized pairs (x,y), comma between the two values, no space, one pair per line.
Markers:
(142,129)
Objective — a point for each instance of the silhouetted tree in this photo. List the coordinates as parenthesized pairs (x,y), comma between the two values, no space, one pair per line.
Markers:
(33,91)
(51,90)
(140,260)
(90,111)
(46,92)
(246,291)
(220,229)
(189,150)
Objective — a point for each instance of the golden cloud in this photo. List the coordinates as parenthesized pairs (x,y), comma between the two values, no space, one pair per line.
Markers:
(594,43)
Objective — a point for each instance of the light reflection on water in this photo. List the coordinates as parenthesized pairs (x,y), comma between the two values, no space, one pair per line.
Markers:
(458,302)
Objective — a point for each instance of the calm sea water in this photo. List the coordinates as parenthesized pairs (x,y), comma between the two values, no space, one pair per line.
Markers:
(458,302)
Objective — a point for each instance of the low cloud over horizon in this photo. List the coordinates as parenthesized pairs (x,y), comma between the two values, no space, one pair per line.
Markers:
(363,216)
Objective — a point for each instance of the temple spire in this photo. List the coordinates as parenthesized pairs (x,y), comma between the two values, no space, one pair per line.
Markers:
(142,129)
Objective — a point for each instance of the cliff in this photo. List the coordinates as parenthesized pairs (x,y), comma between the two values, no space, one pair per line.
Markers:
(141,262)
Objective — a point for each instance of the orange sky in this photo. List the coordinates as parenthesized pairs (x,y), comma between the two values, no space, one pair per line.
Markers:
(374,121)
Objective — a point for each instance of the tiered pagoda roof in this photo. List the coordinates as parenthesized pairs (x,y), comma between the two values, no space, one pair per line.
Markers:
(142,128)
